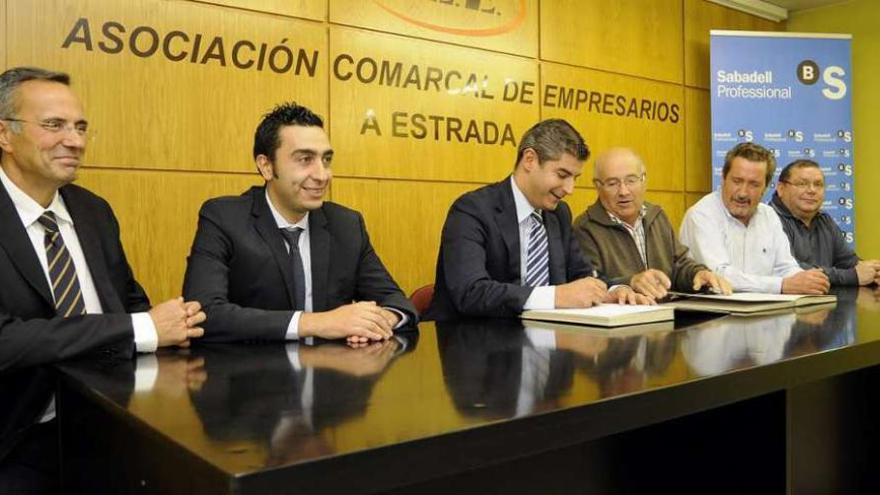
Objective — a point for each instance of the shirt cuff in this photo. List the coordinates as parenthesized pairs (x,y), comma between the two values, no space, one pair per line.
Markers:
(293,326)
(775,286)
(404,319)
(615,287)
(543,297)
(145,337)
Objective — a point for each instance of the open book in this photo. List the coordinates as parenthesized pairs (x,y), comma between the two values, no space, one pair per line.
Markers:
(743,302)
(603,315)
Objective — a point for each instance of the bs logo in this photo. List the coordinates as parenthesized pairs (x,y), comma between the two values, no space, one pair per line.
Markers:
(847,236)
(808,73)
(845,135)
(845,202)
(798,136)
(846,169)
(809,152)
(846,220)
(745,134)
(845,186)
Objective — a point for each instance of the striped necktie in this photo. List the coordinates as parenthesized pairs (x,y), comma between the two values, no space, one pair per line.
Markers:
(538,255)
(62,272)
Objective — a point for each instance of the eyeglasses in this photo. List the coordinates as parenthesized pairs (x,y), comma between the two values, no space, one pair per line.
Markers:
(614,183)
(55,126)
(803,185)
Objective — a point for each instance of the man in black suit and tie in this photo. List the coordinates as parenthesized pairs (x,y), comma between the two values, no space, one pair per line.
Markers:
(279,262)
(67,289)
(508,246)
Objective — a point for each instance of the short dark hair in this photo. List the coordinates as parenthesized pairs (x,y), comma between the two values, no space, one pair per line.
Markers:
(550,139)
(801,163)
(753,153)
(15,77)
(267,138)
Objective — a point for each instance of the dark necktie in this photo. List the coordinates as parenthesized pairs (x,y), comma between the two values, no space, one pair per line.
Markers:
(291,235)
(538,256)
(62,272)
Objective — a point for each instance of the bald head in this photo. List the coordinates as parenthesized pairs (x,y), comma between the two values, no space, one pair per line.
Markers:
(613,156)
(619,176)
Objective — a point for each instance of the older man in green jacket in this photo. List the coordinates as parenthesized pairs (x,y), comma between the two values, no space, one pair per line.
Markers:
(632,241)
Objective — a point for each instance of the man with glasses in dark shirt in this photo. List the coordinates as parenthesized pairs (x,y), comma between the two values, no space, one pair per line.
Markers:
(816,241)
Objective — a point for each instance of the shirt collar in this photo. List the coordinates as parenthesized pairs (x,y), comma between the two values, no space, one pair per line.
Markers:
(523,208)
(28,209)
(615,219)
(281,221)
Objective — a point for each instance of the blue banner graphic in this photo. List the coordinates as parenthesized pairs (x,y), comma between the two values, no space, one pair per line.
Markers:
(791,93)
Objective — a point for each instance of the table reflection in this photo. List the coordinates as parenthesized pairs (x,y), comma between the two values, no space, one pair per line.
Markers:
(736,342)
(501,369)
(278,397)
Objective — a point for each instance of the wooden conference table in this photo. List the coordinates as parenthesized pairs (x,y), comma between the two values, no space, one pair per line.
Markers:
(782,403)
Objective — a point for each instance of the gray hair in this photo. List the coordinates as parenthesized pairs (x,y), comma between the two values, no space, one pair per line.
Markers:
(15,77)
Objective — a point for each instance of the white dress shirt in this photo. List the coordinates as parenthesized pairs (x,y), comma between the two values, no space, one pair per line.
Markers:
(543,297)
(305,253)
(145,337)
(754,257)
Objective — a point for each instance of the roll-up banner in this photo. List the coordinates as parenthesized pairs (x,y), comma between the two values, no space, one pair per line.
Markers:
(791,93)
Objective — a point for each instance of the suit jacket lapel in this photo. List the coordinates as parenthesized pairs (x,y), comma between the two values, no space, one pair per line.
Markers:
(557,253)
(93,252)
(505,216)
(18,246)
(319,246)
(266,227)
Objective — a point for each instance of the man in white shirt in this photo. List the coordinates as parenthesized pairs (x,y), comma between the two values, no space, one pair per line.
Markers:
(740,238)
(67,289)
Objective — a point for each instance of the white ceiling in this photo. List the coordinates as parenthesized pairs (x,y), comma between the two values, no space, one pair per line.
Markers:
(795,5)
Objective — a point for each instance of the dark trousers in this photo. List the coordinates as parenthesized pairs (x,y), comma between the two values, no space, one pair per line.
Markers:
(32,465)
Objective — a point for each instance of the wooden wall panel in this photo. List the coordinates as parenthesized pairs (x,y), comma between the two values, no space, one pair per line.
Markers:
(309,9)
(698,149)
(672,204)
(657,134)
(404,219)
(3,35)
(509,26)
(703,16)
(158,213)
(691,198)
(583,196)
(384,127)
(151,112)
(640,38)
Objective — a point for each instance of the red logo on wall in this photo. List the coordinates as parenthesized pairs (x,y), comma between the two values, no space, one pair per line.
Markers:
(476,6)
